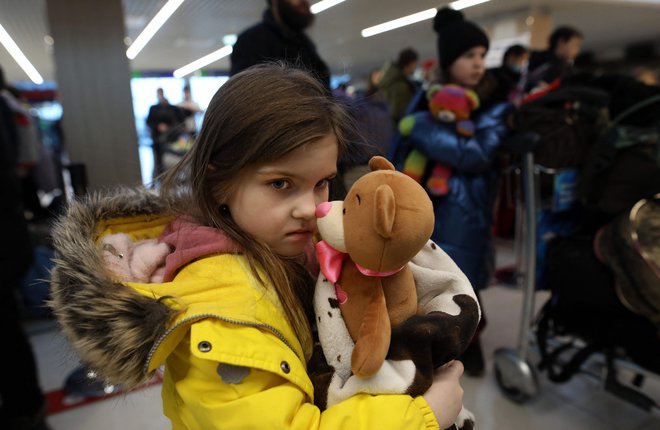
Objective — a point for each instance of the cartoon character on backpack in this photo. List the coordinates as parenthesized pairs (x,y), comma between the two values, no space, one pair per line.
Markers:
(447,104)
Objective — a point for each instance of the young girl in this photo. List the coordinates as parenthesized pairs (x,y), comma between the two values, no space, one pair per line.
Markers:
(463,217)
(229,320)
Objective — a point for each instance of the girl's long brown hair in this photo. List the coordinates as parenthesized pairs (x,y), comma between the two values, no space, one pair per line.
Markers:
(257,116)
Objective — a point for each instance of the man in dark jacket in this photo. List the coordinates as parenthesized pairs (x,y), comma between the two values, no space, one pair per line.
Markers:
(166,124)
(554,63)
(280,36)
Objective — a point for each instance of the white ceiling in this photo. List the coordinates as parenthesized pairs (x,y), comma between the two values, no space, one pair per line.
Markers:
(198,26)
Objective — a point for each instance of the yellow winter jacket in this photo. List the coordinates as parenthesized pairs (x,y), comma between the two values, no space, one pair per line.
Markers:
(234,329)
(231,360)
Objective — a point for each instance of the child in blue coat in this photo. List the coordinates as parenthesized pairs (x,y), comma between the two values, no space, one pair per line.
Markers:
(464,216)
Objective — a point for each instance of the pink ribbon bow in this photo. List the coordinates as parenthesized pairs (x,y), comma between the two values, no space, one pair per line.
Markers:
(331,262)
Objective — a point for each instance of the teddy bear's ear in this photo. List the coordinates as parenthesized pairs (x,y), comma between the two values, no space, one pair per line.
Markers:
(473,99)
(380,163)
(432,90)
(384,210)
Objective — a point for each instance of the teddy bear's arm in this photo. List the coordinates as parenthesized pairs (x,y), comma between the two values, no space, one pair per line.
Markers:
(406,125)
(374,337)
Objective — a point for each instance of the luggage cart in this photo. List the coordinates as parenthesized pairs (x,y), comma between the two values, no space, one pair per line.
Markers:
(516,376)
(513,372)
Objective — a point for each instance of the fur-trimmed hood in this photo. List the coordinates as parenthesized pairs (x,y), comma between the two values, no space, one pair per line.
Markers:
(111,326)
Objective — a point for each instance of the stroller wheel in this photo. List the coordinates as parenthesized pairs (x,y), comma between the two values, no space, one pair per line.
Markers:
(514,376)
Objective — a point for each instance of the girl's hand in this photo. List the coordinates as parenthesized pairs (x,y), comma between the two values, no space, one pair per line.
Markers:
(445,396)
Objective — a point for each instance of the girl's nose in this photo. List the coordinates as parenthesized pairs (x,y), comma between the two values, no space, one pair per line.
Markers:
(322,209)
(306,207)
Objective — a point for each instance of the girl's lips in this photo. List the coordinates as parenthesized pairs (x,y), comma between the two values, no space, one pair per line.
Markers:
(300,233)
(300,237)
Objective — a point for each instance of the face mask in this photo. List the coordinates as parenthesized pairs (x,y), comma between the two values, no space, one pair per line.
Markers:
(518,67)
(417,74)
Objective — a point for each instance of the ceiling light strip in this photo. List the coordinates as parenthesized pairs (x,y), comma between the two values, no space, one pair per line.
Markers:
(19,57)
(205,60)
(400,22)
(152,28)
(323,5)
(463,4)
(416,17)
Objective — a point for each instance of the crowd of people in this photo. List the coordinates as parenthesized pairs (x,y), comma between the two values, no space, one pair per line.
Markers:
(229,315)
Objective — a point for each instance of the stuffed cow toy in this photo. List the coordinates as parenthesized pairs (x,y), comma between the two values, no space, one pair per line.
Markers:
(390,305)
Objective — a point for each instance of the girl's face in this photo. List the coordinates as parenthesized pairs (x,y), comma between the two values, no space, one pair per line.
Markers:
(276,202)
(469,68)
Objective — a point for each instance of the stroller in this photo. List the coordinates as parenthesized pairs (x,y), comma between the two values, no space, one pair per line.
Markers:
(585,324)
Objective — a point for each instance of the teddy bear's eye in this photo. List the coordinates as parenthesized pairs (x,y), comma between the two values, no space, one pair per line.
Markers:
(358,198)
(343,211)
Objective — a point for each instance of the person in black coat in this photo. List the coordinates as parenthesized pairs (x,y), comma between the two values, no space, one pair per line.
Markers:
(165,121)
(23,403)
(280,36)
(565,44)
(509,74)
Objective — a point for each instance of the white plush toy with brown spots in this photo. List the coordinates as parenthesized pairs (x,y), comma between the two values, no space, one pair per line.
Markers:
(390,305)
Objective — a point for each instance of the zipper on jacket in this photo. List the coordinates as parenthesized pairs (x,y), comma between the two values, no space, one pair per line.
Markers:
(227,320)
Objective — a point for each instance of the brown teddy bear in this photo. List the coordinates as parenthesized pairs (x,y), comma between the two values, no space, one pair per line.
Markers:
(390,305)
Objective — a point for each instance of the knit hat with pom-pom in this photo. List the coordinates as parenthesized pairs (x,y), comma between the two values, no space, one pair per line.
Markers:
(456,36)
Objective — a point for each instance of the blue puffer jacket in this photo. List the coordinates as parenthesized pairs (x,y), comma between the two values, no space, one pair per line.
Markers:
(463,218)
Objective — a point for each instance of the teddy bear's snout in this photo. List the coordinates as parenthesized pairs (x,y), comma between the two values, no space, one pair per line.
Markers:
(446,115)
(323,209)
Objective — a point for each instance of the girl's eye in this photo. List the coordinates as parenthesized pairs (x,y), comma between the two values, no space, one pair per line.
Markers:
(279,184)
(324,183)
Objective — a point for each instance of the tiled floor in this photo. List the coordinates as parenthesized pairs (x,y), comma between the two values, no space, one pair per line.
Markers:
(580,404)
